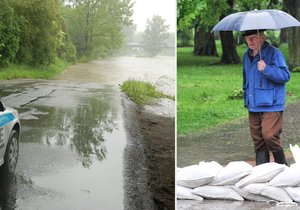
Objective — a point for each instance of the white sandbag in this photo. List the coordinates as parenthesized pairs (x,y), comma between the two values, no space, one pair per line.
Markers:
(184,193)
(290,177)
(217,192)
(275,193)
(251,196)
(294,192)
(261,174)
(197,175)
(211,167)
(232,173)
(296,152)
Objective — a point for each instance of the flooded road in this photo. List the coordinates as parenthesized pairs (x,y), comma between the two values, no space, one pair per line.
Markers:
(73,135)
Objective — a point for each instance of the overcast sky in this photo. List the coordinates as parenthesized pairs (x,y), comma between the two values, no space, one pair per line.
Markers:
(145,9)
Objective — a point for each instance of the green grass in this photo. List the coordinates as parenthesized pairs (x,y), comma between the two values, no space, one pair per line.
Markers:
(142,92)
(204,88)
(44,72)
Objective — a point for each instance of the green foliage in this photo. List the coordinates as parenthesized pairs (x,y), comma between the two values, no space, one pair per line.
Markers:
(155,35)
(95,27)
(184,38)
(273,37)
(141,92)
(245,5)
(296,69)
(9,34)
(237,94)
(66,50)
(41,33)
(205,12)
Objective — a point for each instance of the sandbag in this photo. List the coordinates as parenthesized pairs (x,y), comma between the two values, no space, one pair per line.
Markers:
(290,177)
(211,167)
(261,174)
(294,192)
(232,173)
(275,193)
(296,152)
(184,193)
(251,196)
(218,192)
(197,175)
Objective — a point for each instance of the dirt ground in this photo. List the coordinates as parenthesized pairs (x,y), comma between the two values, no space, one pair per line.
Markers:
(151,142)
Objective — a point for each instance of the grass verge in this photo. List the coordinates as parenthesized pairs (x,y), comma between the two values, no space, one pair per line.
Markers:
(142,92)
(26,72)
(205,90)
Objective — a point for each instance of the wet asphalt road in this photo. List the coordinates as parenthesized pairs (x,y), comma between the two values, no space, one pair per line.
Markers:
(73,138)
(71,146)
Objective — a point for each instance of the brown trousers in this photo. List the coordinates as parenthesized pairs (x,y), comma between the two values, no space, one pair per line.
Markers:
(265,130)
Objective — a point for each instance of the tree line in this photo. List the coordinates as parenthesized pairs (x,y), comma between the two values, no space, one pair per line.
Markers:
(201,15)
(37,32)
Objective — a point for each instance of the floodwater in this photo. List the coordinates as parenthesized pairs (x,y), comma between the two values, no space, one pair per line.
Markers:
(73,137)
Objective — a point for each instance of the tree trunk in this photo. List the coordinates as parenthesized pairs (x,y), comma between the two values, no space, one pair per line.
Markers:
(293,8)
(284,31)
(229,53)
(283,35)
(204,43)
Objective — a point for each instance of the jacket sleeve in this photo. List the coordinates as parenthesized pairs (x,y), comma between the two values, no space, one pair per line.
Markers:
(277,71)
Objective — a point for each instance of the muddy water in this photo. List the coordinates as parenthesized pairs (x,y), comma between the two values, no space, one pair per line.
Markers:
(159,70)
(73,136)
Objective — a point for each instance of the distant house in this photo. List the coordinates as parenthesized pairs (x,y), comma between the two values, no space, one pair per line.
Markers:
(138,49)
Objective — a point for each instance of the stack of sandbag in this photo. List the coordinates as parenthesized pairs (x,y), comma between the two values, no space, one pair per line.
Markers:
(238,181)
(212,181)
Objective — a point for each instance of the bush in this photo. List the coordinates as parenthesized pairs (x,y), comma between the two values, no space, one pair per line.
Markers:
(237,94)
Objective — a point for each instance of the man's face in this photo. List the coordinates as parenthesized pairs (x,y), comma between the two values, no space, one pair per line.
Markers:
(254,41)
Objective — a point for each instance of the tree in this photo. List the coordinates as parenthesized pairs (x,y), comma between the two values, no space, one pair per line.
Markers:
(9,34)
(41,34)
(200,15)
(293,8)
(204,42)
(95,26)
(229,53)
(155,35)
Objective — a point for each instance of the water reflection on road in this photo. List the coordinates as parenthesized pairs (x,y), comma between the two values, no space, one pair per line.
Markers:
(68,130)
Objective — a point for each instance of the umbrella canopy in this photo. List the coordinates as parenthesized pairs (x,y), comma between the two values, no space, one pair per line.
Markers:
(256,19)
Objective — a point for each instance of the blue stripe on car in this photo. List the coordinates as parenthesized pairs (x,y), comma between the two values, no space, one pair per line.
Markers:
(6,118)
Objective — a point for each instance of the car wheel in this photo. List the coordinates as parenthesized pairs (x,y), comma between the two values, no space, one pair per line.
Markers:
(11,154)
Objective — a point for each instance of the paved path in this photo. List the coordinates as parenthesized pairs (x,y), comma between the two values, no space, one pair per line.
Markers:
(232,141)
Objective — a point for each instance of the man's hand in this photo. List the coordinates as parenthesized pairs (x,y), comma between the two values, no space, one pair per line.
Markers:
(261,65)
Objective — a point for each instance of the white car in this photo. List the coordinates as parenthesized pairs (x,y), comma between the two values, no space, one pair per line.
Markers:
(10,128)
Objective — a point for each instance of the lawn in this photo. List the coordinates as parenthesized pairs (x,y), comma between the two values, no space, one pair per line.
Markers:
(204,89)
(41,72)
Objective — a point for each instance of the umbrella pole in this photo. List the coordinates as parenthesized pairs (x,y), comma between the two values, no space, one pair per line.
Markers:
(259,50)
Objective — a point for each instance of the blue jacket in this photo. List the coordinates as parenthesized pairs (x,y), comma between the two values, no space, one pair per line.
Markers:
(265,92)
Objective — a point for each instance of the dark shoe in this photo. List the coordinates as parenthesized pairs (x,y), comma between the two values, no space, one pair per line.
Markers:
(262,156)
(279,157)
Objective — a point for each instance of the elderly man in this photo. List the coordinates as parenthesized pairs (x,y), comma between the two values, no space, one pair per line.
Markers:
(264,76)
